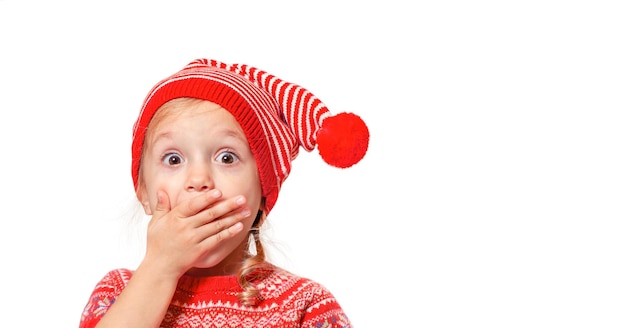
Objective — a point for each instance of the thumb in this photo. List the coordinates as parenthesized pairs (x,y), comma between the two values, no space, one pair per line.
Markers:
(163,205)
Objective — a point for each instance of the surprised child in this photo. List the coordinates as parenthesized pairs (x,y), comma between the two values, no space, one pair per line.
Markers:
(211,147)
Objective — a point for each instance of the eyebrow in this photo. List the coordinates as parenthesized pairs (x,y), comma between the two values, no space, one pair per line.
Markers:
(162,135)
(235,134)
(226,132)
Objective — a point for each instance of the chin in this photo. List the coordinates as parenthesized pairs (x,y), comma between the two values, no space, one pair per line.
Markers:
(215,266)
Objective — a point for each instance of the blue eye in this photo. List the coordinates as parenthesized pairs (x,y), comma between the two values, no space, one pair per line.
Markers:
(227,157)
(172,159)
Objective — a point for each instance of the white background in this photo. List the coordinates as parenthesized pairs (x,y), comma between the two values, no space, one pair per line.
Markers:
(492,195)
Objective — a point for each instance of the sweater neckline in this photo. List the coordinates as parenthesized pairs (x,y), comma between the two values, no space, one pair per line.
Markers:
(210,283)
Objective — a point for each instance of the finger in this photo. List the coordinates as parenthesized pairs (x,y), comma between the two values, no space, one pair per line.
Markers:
(214,236)
(198,204)
(231,206)
(225,227)
(163,204)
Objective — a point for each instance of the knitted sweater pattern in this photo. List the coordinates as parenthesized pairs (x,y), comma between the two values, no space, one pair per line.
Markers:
(287,300)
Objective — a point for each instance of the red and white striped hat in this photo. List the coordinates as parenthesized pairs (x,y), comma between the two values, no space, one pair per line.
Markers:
(277,117)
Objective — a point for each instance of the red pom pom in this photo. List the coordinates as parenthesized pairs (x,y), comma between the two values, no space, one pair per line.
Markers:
(343,139)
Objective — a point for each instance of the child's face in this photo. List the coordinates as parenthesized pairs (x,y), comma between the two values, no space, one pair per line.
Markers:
(195,150)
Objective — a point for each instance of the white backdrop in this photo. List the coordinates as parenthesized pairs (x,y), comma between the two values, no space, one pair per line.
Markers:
(493,193)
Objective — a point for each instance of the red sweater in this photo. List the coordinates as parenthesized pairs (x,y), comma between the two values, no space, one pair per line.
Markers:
(286,301)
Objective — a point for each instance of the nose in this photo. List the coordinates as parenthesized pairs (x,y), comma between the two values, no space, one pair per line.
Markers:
(199,178)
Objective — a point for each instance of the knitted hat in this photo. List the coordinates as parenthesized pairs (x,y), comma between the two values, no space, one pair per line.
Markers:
(277,117)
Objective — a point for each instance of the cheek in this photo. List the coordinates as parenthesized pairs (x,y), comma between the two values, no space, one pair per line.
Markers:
(255,196)
(239,186)
(164,187)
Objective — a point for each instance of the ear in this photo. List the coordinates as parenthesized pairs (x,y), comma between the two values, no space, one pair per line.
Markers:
(142,196)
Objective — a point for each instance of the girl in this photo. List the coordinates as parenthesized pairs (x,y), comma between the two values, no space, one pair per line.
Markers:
(211,147)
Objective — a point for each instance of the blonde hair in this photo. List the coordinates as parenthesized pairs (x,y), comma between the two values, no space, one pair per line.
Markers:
(254,265)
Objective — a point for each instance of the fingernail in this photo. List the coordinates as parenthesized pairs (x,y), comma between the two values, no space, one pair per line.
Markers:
(245,213)
(216,193)
(240,200)
(237,227)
